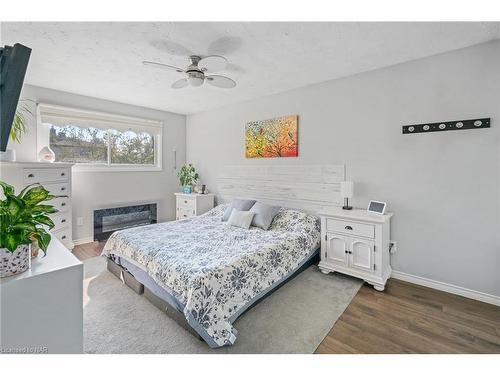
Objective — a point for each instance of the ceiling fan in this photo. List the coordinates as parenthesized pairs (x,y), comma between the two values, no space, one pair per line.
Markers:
(196,72)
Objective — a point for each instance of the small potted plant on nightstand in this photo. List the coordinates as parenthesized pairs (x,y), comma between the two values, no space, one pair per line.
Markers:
(23,219)
(188,177)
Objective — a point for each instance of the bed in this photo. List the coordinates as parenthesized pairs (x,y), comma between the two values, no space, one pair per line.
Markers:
(210,272)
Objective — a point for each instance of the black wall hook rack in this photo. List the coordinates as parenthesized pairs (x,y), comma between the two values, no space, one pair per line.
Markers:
(447,125)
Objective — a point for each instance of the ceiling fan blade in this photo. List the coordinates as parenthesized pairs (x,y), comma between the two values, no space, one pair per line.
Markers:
(171,48)
(235,68)
(220,81)
(224,45)
(212,63)
(163,66)
(183,82)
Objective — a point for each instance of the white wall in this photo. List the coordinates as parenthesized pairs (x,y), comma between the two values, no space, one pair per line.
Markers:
(442,187)
(93,190)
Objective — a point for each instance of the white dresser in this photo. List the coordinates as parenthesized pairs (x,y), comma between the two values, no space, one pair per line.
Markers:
(356,243)
(189,205)
(41,310)
(56,178)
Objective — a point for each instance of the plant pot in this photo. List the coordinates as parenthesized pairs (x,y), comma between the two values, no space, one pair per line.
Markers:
(16,262)
(187,189)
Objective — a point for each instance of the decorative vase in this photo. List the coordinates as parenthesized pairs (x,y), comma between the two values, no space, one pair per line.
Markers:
(15,263)
(8,155)
(46,155)
(187,189)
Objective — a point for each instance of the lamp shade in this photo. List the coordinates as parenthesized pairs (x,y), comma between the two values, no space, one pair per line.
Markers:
(346,189)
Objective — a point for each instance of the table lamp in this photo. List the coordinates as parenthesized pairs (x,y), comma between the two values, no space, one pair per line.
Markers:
(346,192)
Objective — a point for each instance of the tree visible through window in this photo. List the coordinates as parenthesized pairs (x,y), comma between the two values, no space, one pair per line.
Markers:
(74,144)
(131,148)
(100,139)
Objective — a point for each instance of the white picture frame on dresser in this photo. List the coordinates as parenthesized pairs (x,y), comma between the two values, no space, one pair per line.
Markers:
(56,178)
(190,205)
(356,243)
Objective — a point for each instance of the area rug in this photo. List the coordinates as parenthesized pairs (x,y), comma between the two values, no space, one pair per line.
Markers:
(294,319)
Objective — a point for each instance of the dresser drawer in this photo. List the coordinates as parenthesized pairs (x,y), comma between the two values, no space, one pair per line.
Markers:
(348,227)
(32,175)
(58,189)
(63,235)
(61,220)
(60,204)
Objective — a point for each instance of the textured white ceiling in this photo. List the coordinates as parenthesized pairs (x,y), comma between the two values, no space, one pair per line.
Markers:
(103,60)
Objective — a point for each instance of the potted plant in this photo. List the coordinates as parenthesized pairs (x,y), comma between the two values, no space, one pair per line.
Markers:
(19,127)
(23,218)
(188,177)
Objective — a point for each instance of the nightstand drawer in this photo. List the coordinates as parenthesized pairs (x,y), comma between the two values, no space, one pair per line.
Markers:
(186,203)
(348,227)
(184,213)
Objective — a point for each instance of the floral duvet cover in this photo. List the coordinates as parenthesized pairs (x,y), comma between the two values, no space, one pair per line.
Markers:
(215,270)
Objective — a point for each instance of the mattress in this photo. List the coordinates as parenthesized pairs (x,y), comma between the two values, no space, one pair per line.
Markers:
(213,272)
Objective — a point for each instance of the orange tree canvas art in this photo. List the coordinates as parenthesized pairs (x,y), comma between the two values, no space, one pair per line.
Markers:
(273,138)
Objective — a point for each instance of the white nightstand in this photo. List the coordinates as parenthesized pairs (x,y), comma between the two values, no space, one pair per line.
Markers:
(189,205)
(356,243)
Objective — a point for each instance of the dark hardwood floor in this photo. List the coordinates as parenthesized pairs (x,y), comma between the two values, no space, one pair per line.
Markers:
(405,318)
(408,318)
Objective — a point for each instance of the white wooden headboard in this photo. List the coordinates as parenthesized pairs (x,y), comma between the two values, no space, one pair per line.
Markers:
(307,187)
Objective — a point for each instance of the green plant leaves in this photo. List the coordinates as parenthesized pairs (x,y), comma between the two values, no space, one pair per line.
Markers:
(43,239)
(44,209)
(36,195)
(24,217)
(188,175)
(7,189)
(44,220)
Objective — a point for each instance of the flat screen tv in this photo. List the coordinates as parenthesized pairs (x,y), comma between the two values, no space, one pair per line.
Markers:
(13,64)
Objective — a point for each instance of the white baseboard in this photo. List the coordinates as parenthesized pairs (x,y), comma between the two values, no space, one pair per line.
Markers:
(450,288)
(81,241)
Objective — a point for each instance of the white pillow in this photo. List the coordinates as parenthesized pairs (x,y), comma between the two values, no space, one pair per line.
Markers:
(241,219)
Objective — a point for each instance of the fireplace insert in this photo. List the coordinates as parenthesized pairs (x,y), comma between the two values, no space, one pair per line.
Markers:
(109,220)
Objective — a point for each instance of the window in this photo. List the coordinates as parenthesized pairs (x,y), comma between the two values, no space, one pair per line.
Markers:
(100,141)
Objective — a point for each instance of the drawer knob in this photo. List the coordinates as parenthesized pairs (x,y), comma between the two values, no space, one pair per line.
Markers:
(63,237)
(63,174)
(185,202)
(63,220)
(63,204)
(63,188)
(31,175)
(348,227)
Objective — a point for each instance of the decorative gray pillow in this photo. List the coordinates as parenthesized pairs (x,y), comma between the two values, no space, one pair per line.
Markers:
(241,219)
(240,205)
(264,215)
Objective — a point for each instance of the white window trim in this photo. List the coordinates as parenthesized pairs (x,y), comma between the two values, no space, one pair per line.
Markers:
(42,140)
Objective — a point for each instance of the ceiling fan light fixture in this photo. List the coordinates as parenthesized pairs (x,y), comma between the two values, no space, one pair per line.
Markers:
(195,81)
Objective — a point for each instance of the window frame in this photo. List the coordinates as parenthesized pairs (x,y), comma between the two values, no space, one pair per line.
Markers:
(44,140)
